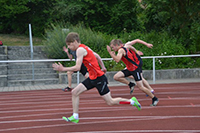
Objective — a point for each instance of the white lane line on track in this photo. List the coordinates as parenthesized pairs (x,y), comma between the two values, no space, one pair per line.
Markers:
(96,109)
(87,108)
(63,99)
(52,94)
(33,110)
(84,123)
(33,115)
(37,98)
(91,123)
(102,118)
(43,94)
(55,92)
(142,131)
(105,118)
(37,106)
(65,103)
(68,97)
(156,87)
(46,101)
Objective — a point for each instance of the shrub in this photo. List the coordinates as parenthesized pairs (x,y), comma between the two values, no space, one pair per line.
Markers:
(163,45)
(55,40)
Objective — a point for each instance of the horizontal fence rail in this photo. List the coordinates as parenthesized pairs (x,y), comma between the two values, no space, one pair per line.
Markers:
(104,59)
(56,60)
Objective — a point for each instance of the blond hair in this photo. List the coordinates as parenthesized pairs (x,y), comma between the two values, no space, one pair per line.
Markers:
(116,42)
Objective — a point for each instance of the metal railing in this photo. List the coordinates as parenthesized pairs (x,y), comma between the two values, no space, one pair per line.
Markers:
(104,59)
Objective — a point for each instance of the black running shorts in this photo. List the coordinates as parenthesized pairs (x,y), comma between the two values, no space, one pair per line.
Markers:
(140,64)
(136,74)
(100,83)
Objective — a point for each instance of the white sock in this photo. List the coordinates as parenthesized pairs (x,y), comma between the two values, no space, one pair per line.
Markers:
(75,115)
(132,102)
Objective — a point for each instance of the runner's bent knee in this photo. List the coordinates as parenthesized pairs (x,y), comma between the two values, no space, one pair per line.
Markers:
(69,72)
(115,77)
(78,90)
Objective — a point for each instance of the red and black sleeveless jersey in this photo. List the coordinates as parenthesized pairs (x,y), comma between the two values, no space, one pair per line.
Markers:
(91,63)
(130,59)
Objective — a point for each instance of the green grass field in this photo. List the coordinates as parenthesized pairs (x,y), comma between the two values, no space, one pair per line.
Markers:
(19,40)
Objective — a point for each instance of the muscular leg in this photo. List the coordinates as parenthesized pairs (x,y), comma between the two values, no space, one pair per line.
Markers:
(119,76)
(75,96)
(116,101)
(144,89)
(113,101)
(69,77)
(146,84)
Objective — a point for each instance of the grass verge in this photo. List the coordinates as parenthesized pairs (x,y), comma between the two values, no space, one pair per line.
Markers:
(19,40)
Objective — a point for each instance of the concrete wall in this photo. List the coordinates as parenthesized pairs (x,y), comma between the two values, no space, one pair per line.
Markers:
(3,66)
(16,74)
(24,52)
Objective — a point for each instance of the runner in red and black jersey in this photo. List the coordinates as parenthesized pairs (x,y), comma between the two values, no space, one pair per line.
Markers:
(96,77)
(138,54)
(133,66)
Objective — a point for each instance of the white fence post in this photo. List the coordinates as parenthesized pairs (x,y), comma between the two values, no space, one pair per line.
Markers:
(31,45)
(77,77)
(154,71)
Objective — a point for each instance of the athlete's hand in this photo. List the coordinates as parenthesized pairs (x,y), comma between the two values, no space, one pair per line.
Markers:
(140,53)
(57,67)
(65,49)
(108,49)
(104,70)
(149,45)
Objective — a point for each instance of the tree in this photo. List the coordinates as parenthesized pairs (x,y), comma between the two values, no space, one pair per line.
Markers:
(10,12)
(178,18)
(16,15)
(100,15)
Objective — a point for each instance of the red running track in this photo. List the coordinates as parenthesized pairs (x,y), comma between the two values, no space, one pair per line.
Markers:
(41,111)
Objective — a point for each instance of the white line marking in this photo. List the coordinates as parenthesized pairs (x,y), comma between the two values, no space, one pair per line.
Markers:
(65,104)
(63,100)
(110,108)
(100,109)
(104,118)
(143,131)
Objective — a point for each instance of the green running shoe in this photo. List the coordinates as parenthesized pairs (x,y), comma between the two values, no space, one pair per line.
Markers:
(136,103)
(71,119)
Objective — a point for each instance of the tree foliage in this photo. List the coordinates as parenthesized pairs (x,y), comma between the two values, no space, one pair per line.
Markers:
(179,18)
(163,45)
(100,15)
(16,15)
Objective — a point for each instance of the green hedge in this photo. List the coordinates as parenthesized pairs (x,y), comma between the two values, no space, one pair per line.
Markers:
(162,45)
